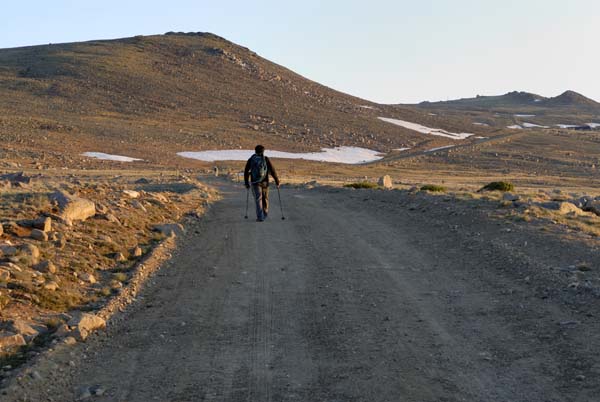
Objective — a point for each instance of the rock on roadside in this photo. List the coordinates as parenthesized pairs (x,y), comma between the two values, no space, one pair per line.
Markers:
(169,229)
(385,182)
(73,208)
(85,323)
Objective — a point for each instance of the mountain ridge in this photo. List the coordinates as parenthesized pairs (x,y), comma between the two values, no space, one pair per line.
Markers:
(568,98)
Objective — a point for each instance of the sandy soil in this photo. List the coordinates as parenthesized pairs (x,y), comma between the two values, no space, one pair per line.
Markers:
(358,295)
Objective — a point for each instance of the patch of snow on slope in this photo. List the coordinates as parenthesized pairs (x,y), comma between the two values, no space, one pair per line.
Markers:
(109,157)
(426,130)
(566,125)
(348,155)
(593,125)
(439,148)
(531,125)
(400,149)
(480,124)
(515,127)
(524,115)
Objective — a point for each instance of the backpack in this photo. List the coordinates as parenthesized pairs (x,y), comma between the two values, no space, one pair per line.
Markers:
(258,168)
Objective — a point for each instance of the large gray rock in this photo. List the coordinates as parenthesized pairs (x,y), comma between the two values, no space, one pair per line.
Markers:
(27,329)
(44,223)
(385,182)
(10,340)
(38,234)
(85,323)
(73,208)
(169,229)
(592,206)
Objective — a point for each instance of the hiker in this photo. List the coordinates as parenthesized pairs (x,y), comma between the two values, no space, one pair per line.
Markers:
(258,168)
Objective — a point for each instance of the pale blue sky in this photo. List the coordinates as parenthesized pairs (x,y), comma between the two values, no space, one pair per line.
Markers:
(382,50)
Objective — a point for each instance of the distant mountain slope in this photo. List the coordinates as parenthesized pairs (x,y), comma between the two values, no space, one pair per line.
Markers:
(518,101)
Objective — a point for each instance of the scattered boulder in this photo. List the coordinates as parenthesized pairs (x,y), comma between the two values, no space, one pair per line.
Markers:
(86,323)
(1,230)
(38,234)
(169,229)
(31,251)
(592,206)
(131,193)
(87,277)
(137,252)
(385,182)
(138,205)
(109,217)
(16,230)
(11,340)
(51,286)
(119,257)
(159,197)
(46,266)
(73,208)
(44,223)
(28,330)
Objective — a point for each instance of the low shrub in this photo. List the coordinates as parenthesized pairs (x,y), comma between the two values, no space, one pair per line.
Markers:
(362,184)
(433,188)
(498,186)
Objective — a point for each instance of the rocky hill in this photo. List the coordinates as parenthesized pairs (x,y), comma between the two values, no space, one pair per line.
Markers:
(153,96)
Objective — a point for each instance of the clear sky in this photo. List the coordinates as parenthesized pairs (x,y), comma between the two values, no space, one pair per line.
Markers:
(382,50)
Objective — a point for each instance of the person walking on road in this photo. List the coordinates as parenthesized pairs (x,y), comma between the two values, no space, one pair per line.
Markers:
(256,174)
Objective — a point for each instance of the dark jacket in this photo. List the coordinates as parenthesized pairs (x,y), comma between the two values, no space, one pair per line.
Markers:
(270,171)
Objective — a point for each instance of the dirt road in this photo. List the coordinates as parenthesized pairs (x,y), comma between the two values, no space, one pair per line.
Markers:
(357,296)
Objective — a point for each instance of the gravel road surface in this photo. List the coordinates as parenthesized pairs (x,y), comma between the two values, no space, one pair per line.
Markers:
(357,296)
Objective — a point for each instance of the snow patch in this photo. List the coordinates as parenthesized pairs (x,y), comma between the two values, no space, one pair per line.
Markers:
(109,157)
(400,149)
(524,115)
(439,148)
(566,125)
(348,155)
(515,127)
(531,125)
(480,124)
(426,130)
(366,107)
(593,125)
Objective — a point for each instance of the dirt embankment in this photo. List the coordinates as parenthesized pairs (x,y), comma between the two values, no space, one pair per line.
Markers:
(71,246)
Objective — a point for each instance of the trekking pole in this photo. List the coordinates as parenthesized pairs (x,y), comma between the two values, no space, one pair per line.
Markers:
(247,196)
(280,205)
